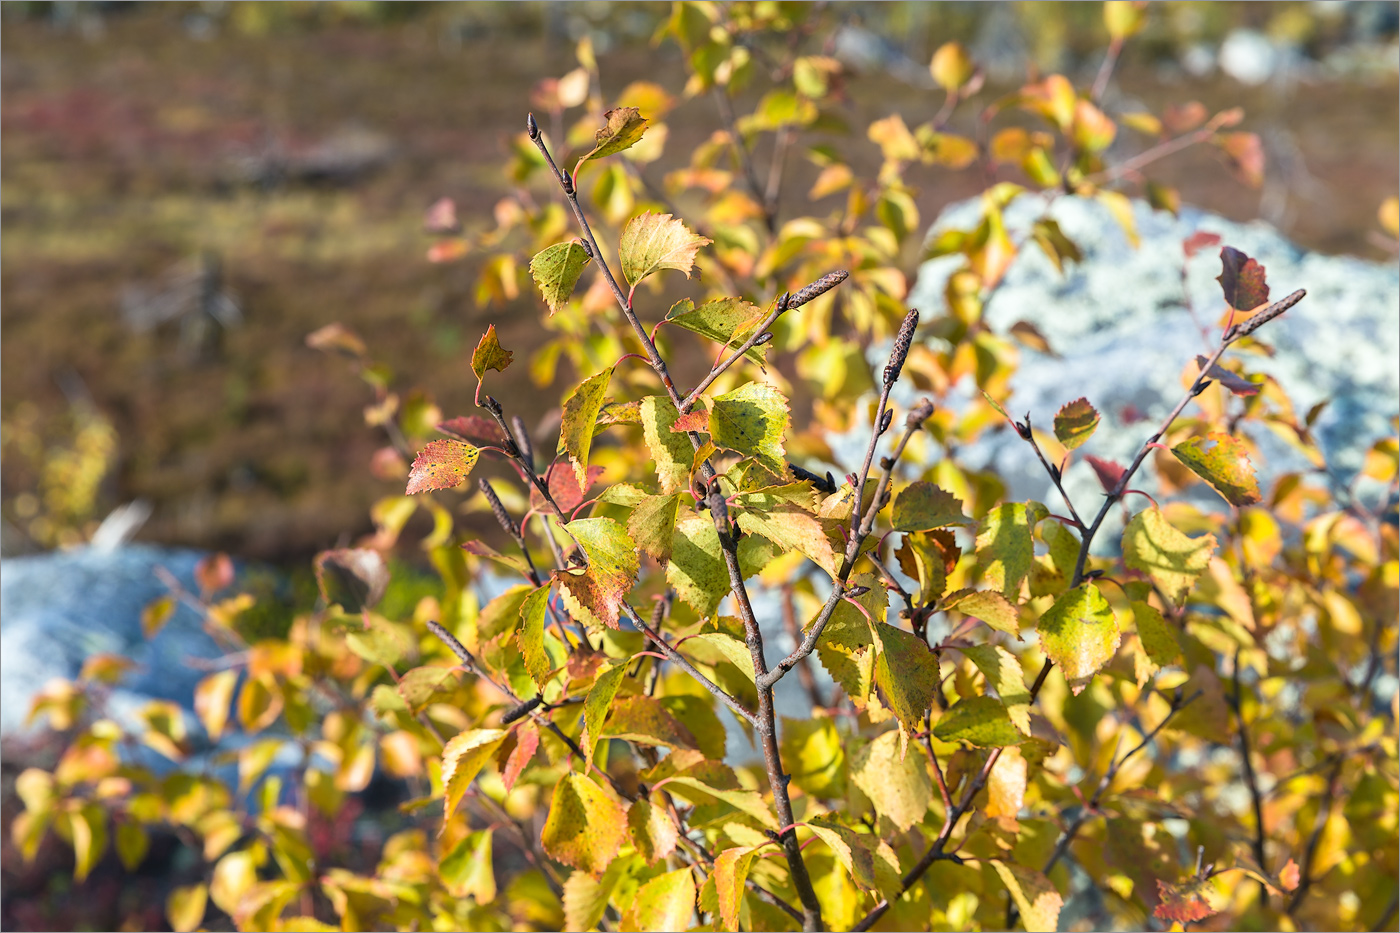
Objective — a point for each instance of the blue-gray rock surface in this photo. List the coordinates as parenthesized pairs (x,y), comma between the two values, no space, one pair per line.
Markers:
(58,609)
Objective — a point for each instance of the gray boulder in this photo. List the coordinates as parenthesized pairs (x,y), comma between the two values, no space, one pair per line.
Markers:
(58,609)
(1120,326)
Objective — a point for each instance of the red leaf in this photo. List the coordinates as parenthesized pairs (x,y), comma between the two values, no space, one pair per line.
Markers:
(448,250)
(213,573)
(1290,876)
(697,420)
(1109,473)
(563,486)
(476,429)
(1242,280)
(527,739)
(441,217)
(1246,154)
(1181,118)
(441,465)
(1198,241)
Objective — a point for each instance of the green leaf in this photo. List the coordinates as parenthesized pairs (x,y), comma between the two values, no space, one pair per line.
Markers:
(1171,559)
(597,704)
(1222,461)
(489,354)
(907,672)
(666,902)
(897,784)
(580,415)
(132,842)
(869,859)
(441,465)
(671,452)
(652,524)
(730,648)
(466,871)
(586,898)
(980,720)
(1005,548)
(465,754)
(652,242)
(697,570)
(729,321)
(623,130)
(730,872)
(654,833)
(1075,423)
(1003,672)
(594,596)
(585,826)
(923,506)
(989,606)
(1157,636)
(752,420)
(847,648)
(1035,897)
(644,720)
(1053,241)
(556,270)
(530,637)
(792,530)
(814,755)
(1080,634)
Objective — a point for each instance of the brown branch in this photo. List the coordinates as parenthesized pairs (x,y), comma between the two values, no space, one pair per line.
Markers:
(741,151)
(1324,813)
(766,726)
(1250,780)
(1092,807)
(679,660)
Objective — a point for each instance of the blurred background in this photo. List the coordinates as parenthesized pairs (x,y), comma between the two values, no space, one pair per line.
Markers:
(188,189)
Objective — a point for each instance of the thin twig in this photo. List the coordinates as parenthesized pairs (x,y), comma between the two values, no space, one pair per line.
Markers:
(741,150)
(1324,813)
(680,661)
(1092,807)
(1250,780)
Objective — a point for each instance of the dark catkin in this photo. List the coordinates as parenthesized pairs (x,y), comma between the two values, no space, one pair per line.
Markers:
(1267,315)
(522,440)
(520,712)
(902,342)
(818,288)
(826,485)
(499,510)
(450,640)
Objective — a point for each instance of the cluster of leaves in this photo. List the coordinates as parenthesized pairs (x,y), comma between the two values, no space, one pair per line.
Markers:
(989,698)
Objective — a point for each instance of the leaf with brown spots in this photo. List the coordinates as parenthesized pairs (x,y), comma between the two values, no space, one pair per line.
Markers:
(441,465)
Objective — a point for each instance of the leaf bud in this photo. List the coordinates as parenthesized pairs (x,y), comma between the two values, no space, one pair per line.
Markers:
(885,420)
(1023,429)
(919,413)
(531,126)
(1205,384)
